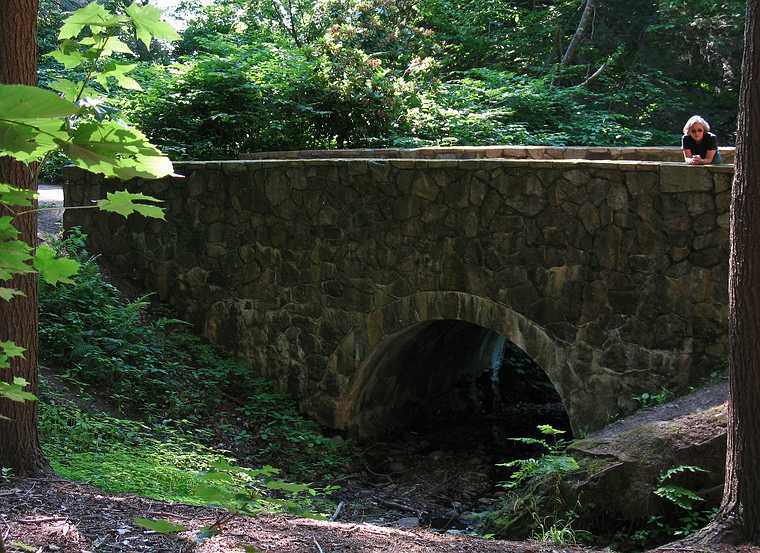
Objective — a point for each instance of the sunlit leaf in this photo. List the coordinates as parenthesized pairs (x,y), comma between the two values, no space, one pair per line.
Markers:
(148,24)
(70,89)
(119,72)
(106,46)
(20,102)
(125,203)
(101,80)
(7,230)
(160,526)
(54,269)
(14,258)
(18,141)
(113,68)
(146,167)
(68,55)
(10,350)
(9,195)
(92,15)
(115,150)
(15,391)
(9,293)
(127,83)
(21,545)
(31,139)
(292,487)
(549,429)
(210,494)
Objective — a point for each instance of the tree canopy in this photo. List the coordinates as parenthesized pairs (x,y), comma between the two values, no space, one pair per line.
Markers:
(293,74)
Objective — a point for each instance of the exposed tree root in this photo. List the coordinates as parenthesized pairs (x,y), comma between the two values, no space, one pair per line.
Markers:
(724,530)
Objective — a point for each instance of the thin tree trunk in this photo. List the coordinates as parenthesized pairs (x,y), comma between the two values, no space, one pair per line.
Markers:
(567,59)
(19,446)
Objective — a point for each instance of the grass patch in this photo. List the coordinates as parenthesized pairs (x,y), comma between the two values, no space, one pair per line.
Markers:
(121,455)
(165,463)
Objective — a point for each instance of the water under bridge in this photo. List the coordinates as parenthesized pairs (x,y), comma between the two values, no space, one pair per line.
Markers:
(369,282)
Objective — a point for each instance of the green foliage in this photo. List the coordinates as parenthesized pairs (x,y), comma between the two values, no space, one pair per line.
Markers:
(15,390)
(678,495)
(53,269)
(125,203)
(552,462)
(651,399)
(357,73)
(22,546)
(244,98)
(261,491)
(120,455)
(485,106)
(686,521)
(164,462)
(148,24)
(160,526)
(36,123)
(559,531)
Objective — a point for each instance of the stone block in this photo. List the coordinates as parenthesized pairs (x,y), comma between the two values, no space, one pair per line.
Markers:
(685,178)
(424,187)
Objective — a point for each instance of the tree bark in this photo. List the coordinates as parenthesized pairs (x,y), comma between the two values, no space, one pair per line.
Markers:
(19,445)
(741,496)
(567,59)
(739,516)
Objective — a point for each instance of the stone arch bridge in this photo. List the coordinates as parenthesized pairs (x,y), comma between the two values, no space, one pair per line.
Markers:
(610,273)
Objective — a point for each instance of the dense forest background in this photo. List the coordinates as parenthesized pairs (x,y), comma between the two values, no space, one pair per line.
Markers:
(257,75)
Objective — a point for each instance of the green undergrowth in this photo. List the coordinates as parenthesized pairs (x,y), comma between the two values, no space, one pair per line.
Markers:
(164,462)
(152,368)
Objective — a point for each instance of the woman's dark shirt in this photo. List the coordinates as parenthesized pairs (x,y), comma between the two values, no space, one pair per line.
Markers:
(709,142)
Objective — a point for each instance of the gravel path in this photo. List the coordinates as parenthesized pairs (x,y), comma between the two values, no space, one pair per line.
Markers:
(49,221)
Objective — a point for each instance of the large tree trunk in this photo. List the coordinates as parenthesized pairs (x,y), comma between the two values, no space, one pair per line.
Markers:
(742,489)
(579,32)
(19,446)
(739,516)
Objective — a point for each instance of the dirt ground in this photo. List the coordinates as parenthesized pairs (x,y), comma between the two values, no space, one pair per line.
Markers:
(57,515)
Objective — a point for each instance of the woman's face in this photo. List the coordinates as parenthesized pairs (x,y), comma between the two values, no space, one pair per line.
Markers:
(697,132)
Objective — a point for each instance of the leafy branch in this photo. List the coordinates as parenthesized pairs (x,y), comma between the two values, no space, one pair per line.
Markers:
(71,119)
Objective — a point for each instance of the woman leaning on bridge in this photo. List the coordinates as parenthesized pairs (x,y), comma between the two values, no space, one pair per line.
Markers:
(700,146)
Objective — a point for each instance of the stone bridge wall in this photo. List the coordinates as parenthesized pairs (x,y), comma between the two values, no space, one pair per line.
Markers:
(609,153)
(610,274)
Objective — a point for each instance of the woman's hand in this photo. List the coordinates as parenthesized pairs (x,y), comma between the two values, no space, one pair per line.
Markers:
(695,160)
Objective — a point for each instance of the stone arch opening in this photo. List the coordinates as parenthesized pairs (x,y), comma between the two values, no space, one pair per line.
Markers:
(433,354)
(458,375)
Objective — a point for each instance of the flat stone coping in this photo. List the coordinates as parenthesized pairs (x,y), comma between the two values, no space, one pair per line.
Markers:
(633,153)
(242,166)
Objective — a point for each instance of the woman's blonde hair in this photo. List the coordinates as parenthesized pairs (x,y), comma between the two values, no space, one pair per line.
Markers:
(693,120)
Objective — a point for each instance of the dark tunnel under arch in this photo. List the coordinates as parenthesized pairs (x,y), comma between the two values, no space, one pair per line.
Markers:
(428,351)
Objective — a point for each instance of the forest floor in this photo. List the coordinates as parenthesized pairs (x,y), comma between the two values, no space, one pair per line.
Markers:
(58,515)
(381,511)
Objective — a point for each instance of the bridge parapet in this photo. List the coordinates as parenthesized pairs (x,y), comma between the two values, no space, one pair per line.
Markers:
(611,274)
(630,153)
